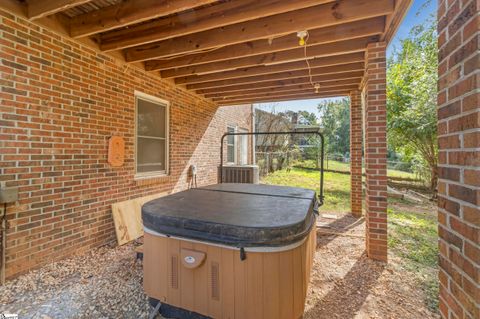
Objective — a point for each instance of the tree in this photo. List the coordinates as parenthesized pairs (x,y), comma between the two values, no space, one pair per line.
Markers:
(412,100)
(335,123)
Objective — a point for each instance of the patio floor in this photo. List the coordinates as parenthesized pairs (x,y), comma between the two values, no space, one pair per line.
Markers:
(107,283)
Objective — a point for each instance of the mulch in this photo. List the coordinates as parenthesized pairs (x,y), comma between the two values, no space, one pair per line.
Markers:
(107,283)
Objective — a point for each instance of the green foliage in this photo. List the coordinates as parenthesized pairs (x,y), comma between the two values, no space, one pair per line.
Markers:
(413,236)
(338,185)
(335,123)
(412,227)
(412,99)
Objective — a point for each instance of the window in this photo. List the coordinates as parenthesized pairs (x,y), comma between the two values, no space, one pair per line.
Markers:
(231,145)
(151,156)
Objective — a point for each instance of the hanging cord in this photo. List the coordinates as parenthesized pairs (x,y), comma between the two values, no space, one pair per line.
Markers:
(306,59)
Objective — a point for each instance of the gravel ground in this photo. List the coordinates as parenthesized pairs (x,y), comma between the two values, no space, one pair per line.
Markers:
(107,283)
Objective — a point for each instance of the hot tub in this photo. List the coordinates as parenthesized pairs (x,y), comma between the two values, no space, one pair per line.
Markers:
(230,251)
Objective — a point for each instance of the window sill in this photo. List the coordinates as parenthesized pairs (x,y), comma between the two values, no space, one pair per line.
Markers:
(139,177)
(146,179)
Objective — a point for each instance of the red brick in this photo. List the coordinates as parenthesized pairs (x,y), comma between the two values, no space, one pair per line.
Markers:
(61,101)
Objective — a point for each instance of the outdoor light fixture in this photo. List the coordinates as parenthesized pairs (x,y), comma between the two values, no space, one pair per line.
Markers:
(317,87)
(302,35)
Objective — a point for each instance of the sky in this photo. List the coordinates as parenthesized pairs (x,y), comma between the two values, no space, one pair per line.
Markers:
(419,11)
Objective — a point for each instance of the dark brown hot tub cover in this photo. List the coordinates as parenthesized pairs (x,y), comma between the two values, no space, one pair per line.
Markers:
(239,215)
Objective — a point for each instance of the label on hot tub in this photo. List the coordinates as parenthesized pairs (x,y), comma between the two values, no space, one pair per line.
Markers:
(189,259)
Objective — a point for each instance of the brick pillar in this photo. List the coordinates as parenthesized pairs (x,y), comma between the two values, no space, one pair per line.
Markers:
(459,158)
(376,151)
(356,153)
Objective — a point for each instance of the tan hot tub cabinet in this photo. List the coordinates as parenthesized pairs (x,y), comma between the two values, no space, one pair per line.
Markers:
(197,278)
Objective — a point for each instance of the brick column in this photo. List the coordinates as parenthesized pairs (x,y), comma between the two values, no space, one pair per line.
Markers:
(376,151)
(459,158)
(356,153)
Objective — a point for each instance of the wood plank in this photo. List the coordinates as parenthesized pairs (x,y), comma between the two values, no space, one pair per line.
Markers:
(337,33)
(298,301)
(253,92)
(155,266)
(227,282)
(202,19)
(285,98)
(214,256)
(173,293)
(239,267)
(394,19)
(201,284)
(41,8)
(286,284)
(263,69)
(293,55)
(341,11)
(271,286)
(128,12)
(127,218)
(254,282)
(187,281)
(306,90)
(350,67)
(280,83)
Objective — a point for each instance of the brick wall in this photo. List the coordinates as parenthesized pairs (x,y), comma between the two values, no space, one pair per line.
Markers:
(356,153)
(459,158)
(376,151)
(60,102)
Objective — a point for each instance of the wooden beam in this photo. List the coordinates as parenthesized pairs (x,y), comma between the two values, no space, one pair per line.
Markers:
(298,54)
(277,68)
(285,82)
(394,19)
(281,92)
(128,12)
(286,88)
(41,8)
(285,98)
(334,69)
(202,19)
(324,15)
(341,32)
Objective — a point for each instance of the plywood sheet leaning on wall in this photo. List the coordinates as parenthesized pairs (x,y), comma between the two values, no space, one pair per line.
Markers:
(127,217)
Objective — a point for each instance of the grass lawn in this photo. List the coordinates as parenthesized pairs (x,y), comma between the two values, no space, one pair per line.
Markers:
(412,227)
(345,167)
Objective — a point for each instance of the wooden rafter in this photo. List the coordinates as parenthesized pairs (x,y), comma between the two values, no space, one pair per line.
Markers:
(40,8)
(281,91)
(286,88)
(342,32)
(261,70)
(285,82)
(285,94)
(285,98)
(205,18)
(298,54)
(128,12)
(324,15)
(335,69)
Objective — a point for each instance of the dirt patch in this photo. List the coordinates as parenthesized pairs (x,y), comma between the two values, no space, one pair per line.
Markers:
(346,284)
(107,283)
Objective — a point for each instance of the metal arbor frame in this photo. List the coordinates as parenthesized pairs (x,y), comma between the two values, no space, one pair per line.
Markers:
(322,144)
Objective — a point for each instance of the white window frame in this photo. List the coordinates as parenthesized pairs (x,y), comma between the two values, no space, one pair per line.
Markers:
(242,139)
(156,100)
(234,127)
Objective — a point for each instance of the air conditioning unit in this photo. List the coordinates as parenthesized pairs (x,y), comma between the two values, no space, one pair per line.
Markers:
(247,174)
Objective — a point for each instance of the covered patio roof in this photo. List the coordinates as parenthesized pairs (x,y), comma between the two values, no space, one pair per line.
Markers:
(232,52)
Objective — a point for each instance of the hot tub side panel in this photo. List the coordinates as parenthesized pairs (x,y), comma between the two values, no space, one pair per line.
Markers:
(265,285)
